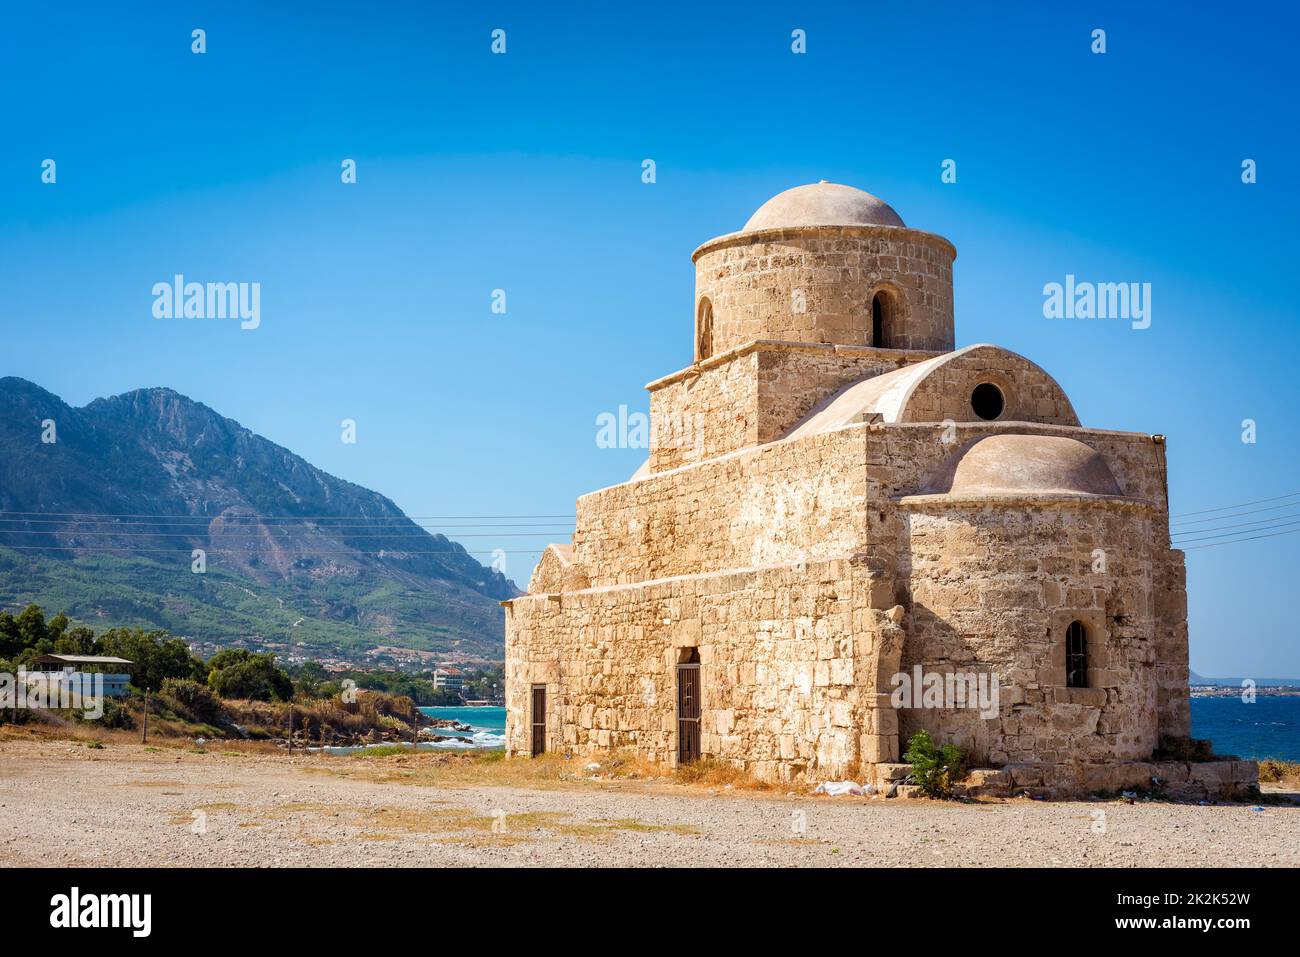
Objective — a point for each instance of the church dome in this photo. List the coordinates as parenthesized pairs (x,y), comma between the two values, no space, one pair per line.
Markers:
(1009,464)
(823,204)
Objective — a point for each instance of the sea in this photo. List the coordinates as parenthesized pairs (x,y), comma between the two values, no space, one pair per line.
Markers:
(1268,728)
(487,731)
(487,728)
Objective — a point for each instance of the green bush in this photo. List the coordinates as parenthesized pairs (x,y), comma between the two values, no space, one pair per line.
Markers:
(934,768)
(116,715)
(239,673)
(192,699)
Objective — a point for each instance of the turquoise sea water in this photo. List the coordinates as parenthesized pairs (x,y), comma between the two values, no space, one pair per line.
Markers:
(1269,728)
(485,721)
(487,731)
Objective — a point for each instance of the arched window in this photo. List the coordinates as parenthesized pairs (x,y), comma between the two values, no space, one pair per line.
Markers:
(704,330)
(882,319)
(1076,655)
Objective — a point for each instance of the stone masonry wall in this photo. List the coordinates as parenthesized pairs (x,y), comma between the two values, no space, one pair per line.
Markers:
(753,395)
(1029,394)
(816,283)
(777,503)
(781,564)
(993,589)
(793,382)
(787,657)
(805,499)
(1172,670)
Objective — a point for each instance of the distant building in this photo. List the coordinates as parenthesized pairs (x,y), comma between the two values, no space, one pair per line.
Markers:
(453,679)
(64,666)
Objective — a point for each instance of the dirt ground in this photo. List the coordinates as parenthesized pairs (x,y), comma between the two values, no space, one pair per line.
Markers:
(62,803)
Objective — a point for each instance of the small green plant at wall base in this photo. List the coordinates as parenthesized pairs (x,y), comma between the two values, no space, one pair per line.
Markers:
(934,768)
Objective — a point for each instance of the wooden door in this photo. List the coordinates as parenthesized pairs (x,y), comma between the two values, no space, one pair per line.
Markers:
(539,719)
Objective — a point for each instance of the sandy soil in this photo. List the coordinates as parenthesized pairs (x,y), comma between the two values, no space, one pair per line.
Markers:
(64,804)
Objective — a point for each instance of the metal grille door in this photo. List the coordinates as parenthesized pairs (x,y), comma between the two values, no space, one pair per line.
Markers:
(688,713)
(539,719)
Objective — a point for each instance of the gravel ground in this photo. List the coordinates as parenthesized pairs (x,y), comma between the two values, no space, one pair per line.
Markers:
(63,804)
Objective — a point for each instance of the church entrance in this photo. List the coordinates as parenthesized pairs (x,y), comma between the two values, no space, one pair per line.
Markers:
(688,708)
(539,720)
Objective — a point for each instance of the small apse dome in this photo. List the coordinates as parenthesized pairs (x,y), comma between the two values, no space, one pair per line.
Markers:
(1009,464)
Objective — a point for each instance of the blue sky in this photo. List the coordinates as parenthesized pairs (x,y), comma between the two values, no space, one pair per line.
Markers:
(522,172)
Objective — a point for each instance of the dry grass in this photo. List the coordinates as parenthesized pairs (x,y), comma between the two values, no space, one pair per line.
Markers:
(154,784)
(714,773)
(632,824)
(398,764)
(158,741)
(318,824)
(372,717)
(1272,771)
(440,769)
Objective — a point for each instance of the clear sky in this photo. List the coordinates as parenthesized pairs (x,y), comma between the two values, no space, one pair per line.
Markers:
(522,172)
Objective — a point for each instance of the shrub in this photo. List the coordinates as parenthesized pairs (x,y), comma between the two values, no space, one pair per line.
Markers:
(385,751)
(191,699)
(116,716)
(934,768)
(1273,771)
(239,673)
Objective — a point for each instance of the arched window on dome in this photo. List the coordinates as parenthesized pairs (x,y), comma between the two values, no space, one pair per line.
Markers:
(882,319)
(1076,655)
(704,330)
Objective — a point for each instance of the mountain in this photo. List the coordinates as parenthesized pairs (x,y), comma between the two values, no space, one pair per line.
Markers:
(1202,681)
(102,507)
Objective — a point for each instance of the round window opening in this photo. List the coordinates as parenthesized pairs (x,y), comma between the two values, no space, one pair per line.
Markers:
(987,401)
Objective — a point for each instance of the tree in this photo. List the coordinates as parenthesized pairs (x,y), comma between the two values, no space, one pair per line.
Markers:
(33,634)
(239,673)
(309,678)
(77,641)
(156,655)
(10,643)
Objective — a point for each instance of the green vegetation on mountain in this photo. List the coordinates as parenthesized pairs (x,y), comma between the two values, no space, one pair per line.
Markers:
(105,522)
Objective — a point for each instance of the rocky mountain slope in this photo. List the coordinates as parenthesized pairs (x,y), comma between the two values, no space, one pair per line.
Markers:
(102,509)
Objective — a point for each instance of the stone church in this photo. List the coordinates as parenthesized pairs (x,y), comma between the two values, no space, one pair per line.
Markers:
(838,504)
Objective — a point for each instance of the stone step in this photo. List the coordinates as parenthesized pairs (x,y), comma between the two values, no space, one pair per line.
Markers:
(890,771)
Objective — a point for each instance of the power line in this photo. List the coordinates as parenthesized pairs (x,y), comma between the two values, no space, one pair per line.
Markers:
(134,549)
(395,518)
(1219,518)
(1226,508)
(200,522)
(1234,541)
(252,532)
(1266,528)
(1238,525)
